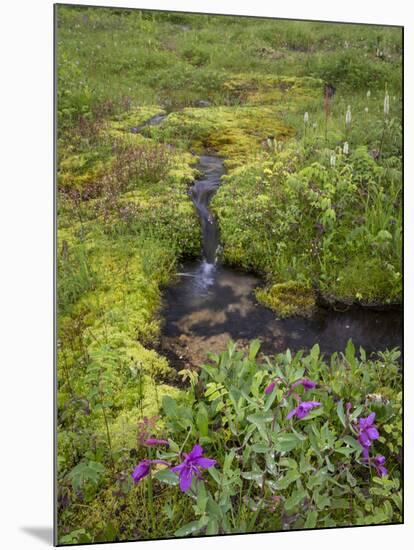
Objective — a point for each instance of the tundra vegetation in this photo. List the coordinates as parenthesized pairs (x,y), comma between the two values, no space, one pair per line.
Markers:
(311,200)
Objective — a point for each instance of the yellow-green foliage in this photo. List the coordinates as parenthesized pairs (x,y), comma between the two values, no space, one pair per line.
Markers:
(124,122)
(286,299)
(270,89)
(238,132)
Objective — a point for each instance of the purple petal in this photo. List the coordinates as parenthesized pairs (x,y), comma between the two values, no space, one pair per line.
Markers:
(372,432)
(379,460)
(177,469)
(364,439)
(365,453)
(382,471)
(270,388)
(196,452)
(302,410)
(186,477)
(204,462)
(367,422)
(305,407)
(305,382)
(291,413)
(141,470)
(308,384)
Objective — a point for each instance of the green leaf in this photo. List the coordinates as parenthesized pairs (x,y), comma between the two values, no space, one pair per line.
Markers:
(254,348)
(315,351)
(215,474)
(270,399)
(85,472)
(287,442)
(341,413)
(166,476)
(191,528)
(289,478)
(213,509)
(353,443)
(173,446)
(260,448)
(202,420)
(254,476)
(295,499)
(228,460)
(212,527)
(350,353)
(202,498)
(169,406)
(311,519)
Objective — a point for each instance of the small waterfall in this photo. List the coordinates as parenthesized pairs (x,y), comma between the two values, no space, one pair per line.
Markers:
(201,193)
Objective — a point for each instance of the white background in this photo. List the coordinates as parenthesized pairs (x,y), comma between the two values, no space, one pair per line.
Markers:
(26,283)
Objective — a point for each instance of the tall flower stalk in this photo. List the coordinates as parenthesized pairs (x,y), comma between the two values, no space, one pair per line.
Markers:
(305,123)
(386,114)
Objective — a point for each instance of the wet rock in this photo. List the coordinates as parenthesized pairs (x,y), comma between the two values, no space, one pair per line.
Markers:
(203,103)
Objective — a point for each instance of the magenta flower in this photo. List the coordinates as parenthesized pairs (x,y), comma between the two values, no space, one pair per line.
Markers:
(367,431)
(379,462)
(143,469)
(270,387)
(191,465)
(153,441)
(303,409)
(306,383)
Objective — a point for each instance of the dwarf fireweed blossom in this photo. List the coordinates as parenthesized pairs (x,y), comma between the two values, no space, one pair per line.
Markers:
(142,469)
(306,383)
(153,441)
(270,387)
(303,409)
(367,431)
(379,462)
(190,467)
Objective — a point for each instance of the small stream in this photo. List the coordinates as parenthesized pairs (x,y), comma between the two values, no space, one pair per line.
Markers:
(211,303)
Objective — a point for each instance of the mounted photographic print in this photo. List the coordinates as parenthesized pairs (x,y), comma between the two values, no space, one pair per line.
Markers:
(229,274)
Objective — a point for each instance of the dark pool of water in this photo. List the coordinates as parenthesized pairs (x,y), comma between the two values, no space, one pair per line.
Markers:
(209,304)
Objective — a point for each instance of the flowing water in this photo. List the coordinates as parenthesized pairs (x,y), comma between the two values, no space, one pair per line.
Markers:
(210,303)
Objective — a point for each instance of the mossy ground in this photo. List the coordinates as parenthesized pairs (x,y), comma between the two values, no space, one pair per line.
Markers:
(287,299)
(125,217)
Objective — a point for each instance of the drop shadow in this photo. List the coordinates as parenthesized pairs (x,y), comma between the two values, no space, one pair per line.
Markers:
(45,534)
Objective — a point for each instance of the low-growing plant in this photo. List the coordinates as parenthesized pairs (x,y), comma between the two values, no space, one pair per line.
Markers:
(289,443)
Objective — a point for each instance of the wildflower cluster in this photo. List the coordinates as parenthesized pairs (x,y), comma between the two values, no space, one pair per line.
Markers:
(188,469)
(368,433)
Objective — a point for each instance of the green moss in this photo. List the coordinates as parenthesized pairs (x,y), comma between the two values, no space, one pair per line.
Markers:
(269,89)
(236,133)
(121,125)
(287,299)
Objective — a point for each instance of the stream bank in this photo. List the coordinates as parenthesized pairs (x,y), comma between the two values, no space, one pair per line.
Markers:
(209,303)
